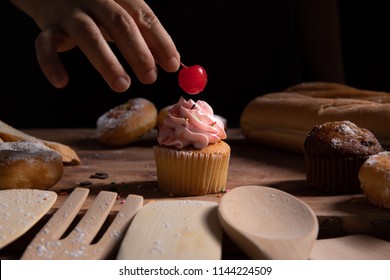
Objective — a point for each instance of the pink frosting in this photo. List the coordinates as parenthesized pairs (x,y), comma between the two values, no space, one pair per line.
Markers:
(191,123)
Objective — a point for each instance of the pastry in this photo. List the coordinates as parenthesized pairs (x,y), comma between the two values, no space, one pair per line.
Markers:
(29,165)
(191,158)
(334,153)
(282,119)
(374,176)
(126,123)
(10,134)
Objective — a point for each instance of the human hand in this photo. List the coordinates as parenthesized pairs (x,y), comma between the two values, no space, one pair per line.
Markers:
(90,25)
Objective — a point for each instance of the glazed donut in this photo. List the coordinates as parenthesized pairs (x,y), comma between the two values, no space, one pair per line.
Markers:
(127,122)
(374,176)
(29,165)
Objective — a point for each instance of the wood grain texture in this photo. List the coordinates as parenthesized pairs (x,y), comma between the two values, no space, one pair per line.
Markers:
(52,242)
(131,170)
(351,247)
(268,223)
(21,209)
(174,230)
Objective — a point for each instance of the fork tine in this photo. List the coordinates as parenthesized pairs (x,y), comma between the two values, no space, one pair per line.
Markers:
(47,245)
(92,221)
(65,215)
(115,232)
(58,223)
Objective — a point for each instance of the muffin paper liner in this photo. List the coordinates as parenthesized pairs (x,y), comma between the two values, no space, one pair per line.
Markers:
(336,175)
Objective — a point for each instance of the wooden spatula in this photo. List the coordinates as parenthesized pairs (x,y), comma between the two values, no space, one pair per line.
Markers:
(20,209)
(49,244)
(351,247)
(179,230)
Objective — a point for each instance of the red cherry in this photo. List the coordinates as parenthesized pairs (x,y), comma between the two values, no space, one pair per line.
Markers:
(192,79)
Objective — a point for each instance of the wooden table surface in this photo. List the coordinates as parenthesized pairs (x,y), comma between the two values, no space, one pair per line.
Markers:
(131,170)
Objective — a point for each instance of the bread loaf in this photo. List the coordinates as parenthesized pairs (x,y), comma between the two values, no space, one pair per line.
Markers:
(283,119)
(10,134)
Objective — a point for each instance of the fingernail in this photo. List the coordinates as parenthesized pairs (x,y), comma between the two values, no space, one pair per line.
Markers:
(121,84)
(58,81)
(173,64)
(151,76)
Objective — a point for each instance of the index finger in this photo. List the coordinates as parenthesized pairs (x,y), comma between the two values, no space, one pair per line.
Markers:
(126,35)
(156,37)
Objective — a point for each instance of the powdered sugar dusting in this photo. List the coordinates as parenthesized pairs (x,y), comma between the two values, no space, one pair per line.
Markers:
(109,121)
(371,161)
(167,229)
(375,179)
(25,150)
(116,117)
(375,159)
(348,128)
(20,209)
(336,142)
(381,163)
(345,128)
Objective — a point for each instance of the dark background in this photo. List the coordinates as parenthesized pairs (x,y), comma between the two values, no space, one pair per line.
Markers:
(247,47)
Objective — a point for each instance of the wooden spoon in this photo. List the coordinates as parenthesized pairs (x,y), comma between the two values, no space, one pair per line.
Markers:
(267,223)
(351,247)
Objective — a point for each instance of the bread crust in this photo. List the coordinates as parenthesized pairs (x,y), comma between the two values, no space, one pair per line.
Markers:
(283,119)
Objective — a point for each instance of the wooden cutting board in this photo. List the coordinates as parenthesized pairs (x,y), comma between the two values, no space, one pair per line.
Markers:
(20,209)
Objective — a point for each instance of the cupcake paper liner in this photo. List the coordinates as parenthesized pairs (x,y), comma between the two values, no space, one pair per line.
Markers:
(187,172)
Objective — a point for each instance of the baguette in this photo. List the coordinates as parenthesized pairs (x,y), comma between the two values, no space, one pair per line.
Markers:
(283,119)
(10,134)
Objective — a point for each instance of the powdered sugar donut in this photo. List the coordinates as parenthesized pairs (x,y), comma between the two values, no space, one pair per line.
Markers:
(127,122)
(374,176)
(29,165)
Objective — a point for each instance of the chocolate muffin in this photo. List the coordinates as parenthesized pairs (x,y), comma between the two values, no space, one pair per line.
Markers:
(334,153)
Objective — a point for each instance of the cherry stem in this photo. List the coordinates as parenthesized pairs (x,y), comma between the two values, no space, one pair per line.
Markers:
(182,65)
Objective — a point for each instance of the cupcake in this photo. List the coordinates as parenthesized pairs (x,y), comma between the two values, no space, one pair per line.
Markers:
(334,153)
(191,158)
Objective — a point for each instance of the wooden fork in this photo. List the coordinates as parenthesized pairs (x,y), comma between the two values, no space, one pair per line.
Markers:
(47,244)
